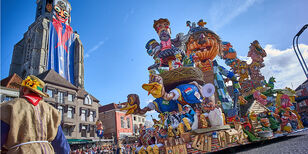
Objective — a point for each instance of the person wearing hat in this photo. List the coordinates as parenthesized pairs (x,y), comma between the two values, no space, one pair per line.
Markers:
(30,125)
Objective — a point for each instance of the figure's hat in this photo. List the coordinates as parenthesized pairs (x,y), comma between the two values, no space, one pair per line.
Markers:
(161,20)
(34,84)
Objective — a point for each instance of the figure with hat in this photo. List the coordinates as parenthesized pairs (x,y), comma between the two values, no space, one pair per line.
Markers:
(30,125)
(167,50)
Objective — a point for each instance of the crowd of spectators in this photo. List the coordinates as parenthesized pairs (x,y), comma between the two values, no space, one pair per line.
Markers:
(106,149)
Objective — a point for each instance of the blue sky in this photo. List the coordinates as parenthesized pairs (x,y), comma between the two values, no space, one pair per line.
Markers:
(114,34)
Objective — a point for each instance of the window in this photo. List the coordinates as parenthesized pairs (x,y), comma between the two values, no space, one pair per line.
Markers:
(60,108)
(142,119)
(60,97)
(83,131)
(70,112)
(67,131)
(135,128)
(83,115)
(88,100)
(91,117)
(6,98)
(92,131)
(134,118)
(128,122)
(50,93)
(70,97)
(122,122)
(139,119)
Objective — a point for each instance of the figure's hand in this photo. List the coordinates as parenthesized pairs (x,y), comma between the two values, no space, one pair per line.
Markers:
(144,110)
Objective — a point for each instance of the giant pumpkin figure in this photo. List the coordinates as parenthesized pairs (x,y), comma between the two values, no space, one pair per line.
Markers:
(205,45)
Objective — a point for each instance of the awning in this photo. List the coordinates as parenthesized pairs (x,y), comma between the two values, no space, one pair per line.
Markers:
(69,124)
(79,141)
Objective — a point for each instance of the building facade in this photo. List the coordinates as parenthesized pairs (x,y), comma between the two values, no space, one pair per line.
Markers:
(31,54)
(116,124)
(9,90)
(78,108)
(302,97)
(137,121)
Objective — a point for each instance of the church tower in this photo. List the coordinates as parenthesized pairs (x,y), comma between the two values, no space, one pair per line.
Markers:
(50,43)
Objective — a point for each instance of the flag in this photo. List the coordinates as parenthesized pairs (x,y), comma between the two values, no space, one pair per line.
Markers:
(61,49)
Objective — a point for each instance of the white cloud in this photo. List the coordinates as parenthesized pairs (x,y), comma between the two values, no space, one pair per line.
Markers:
(284,66)
(94,48)
(223,12)
(247,59)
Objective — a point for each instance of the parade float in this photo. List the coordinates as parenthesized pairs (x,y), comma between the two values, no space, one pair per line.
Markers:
(203,106)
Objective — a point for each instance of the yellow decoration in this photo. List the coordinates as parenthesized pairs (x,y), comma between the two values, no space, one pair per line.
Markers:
(34,84)
(170,131)
(186,123)
(180,129)
(130,106)
(142,151)
(156,149)
(149,150)
(153,88)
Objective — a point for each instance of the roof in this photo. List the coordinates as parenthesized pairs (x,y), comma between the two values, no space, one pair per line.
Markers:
(300,86)
(10,81)
(244,108)
(107,107)
(53,77)
(82,93)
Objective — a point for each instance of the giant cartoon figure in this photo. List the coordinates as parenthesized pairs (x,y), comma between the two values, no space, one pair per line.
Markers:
(191,93)
(205,45)
(61,41)
(165,52)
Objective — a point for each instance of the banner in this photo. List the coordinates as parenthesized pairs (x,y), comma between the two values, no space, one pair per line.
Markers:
(61,43)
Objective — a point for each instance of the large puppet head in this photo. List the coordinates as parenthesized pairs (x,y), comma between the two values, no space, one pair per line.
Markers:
(162,28)
(62,11)
(202,42)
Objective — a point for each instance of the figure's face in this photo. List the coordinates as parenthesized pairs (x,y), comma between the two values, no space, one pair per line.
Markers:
(204,45)
(61,12)
(242,68)
(164,35)
(187,109)
(163,31)
(255,68)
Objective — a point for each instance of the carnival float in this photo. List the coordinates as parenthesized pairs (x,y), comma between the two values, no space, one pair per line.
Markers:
(203,106)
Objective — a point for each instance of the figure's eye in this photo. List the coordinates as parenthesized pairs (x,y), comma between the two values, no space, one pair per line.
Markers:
(66,14)
(57,9)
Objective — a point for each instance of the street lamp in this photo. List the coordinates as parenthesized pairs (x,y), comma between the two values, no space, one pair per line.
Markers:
(298,52)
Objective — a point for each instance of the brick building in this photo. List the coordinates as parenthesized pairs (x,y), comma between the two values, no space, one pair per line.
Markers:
(116,124)
(9,90)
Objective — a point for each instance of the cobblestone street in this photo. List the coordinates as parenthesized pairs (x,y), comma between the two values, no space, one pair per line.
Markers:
(293,144)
